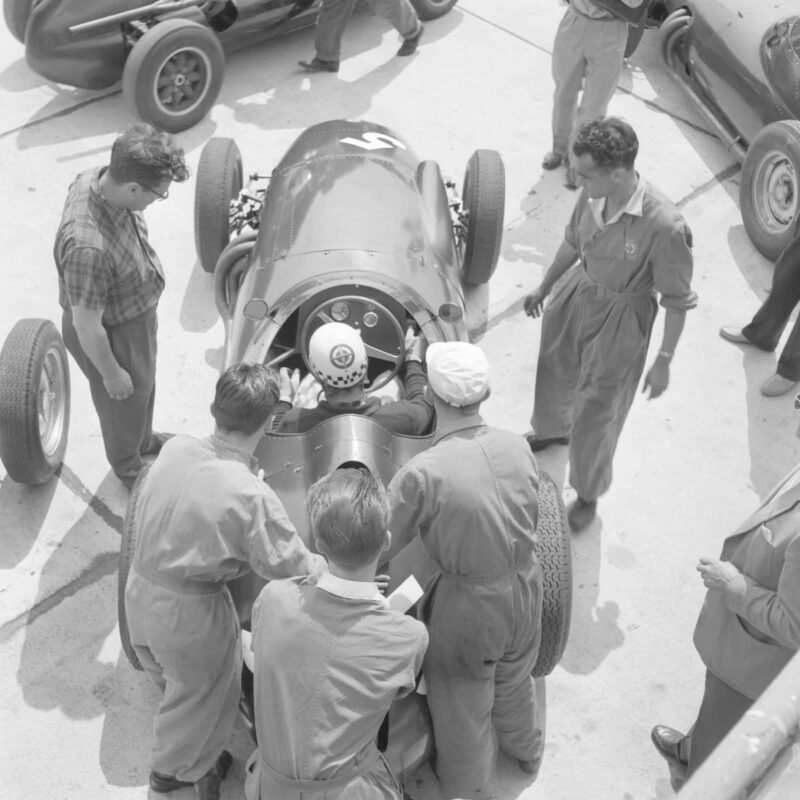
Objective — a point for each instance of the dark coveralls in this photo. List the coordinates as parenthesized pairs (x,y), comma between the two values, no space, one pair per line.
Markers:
(473,499)
(411,416)
(104,261)
(596,328)
(205,519)
(766,327)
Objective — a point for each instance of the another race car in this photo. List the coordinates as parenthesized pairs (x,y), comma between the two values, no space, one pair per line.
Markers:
(738,61)
(169,54)
(351,226)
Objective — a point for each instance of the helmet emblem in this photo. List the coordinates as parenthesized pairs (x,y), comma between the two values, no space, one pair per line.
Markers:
(342,356)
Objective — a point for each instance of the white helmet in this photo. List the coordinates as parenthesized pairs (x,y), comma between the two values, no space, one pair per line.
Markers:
(337,355)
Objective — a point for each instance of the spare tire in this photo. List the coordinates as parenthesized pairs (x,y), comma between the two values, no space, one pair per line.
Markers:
(431,9)
(127,549)
(34,401)
(769,190)
(219,180)
(554,551)
(484,200)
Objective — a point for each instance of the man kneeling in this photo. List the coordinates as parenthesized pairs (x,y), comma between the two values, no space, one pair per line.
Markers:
(330,658)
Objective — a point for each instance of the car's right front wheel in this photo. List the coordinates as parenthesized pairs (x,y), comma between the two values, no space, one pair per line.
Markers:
(769,190)
(431,9)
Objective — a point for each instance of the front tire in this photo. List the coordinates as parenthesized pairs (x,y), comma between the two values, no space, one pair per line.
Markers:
(769,191)
(173,74)
(432,9)
(34,401)
(484,199)
(219,180)
(554,551)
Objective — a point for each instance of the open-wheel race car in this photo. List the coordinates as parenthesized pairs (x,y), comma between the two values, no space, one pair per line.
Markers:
(169,54)
(351,226)
(739,61)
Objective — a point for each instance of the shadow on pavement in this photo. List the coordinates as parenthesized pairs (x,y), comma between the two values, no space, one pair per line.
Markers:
(23,510)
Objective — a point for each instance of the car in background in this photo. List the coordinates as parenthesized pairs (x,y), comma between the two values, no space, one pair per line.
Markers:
(739,62)
(169,54)
(351,226)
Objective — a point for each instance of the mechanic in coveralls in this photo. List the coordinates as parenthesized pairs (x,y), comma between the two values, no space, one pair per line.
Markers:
(338,360)
(629,243)
(331,658)
(205,519)
(473,500)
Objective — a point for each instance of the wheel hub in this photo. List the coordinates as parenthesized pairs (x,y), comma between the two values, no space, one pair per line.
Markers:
(775,202)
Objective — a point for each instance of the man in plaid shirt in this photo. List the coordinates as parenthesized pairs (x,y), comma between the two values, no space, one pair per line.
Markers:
(110,280)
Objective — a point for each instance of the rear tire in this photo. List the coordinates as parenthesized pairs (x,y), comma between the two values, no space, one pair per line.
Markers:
(769,190)
(432,9)
(554,551)
(34,401)
(173,74)
(484,198)
(16,14)
(127,549)
(219,180)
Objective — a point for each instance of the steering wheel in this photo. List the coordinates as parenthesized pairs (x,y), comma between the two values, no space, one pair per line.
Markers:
(382,334)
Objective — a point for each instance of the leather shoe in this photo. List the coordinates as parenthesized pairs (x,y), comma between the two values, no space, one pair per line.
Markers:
(776,385)
(319,65)
(540,444)
(167,783)
(733,334)
(581,513)
(552,160)
(668,743)
(409,46)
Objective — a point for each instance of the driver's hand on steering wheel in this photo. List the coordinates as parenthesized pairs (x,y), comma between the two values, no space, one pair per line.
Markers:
(289,381)
(416,345)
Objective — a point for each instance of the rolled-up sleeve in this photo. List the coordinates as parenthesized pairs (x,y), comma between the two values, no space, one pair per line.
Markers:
(774,613)
(673,264)
(406,508)
(87,277)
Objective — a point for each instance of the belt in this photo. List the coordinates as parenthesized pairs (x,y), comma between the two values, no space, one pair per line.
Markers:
(514,569)
(610,294)
(182,585)
(322,785)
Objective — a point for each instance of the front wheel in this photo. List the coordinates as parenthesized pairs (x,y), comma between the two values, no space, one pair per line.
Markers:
(431,9)
(769,187)
(484,199)
(173,74)
(34,401)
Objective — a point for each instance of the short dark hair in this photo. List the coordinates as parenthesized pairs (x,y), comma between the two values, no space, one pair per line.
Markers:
(611,142)
(144,154)
(245,396)
(349,513)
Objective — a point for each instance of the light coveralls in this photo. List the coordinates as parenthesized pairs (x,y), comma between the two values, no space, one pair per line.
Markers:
(328,662)
(588,52)
(205,520)
(596,327)
(335,14)
(473,499)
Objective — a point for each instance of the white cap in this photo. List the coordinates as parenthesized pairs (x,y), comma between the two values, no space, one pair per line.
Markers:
(458,372)
(337,355)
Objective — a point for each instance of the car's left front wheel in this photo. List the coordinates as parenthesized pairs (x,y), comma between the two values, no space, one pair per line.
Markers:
(173,74)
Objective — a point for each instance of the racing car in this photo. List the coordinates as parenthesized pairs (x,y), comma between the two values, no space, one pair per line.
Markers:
(351,226)
(738,61)
(169,54)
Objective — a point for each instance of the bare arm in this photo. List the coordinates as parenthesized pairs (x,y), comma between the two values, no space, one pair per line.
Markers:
(94,341)
(565,257)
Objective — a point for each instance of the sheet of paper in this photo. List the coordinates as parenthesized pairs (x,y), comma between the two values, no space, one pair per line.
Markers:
(405,595)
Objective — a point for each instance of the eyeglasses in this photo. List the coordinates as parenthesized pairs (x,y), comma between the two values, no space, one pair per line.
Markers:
(159,195)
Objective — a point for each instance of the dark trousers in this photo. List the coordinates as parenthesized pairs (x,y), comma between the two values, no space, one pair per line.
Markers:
(721,709)
(127,425)
(768,324)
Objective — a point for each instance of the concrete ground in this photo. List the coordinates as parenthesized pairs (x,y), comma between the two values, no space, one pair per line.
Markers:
(75,716)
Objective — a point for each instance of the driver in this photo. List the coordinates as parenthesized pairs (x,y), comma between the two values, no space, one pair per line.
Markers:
(338,360)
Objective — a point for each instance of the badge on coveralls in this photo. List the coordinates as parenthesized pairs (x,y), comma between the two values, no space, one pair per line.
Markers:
(631,248)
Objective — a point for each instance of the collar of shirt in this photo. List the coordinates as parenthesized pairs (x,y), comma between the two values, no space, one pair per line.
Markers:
(632,207)
(228,450)
(350,590)
(113,211)
(471,421)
